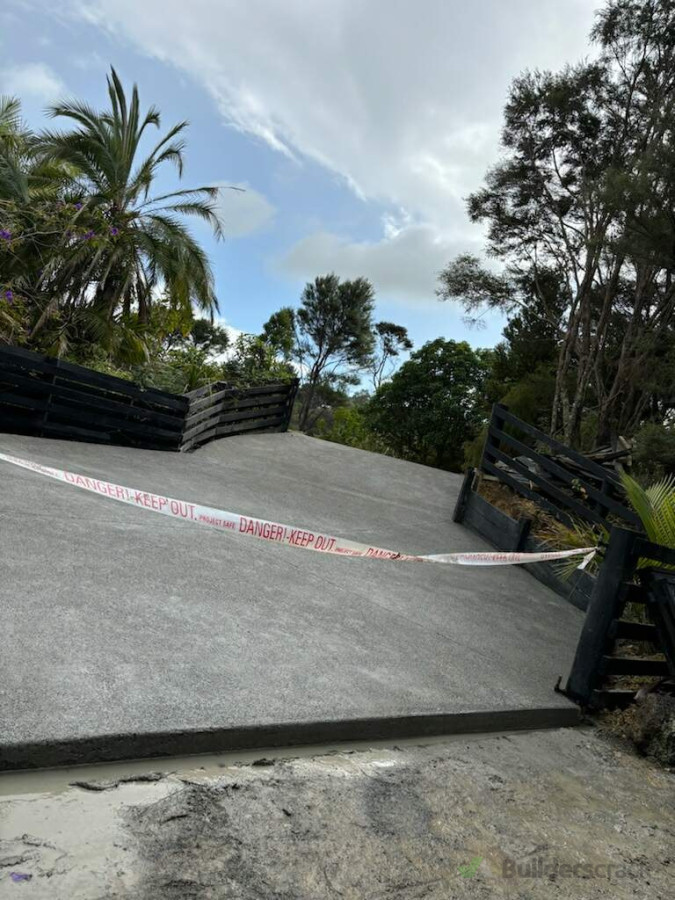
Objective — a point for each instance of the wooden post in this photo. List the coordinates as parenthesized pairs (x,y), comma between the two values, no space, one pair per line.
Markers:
(490,440)
(524,526)
(603,607)
(290,400)
(48,401)
(463,498)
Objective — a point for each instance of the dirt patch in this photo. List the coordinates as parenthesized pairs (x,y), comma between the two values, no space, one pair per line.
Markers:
(563,814)
(649,725)
(514,505)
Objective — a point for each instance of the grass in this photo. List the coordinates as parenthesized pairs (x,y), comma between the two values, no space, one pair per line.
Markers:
(517,507)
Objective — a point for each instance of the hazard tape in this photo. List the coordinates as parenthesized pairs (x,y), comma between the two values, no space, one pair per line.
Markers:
(275,532)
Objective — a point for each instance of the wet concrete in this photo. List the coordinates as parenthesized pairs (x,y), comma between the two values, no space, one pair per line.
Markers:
(126,633)
(559,814)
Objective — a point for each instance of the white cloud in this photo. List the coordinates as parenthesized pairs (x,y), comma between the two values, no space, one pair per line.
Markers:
(34,80)
(243,210)
(233,333)
(403,265)
(403,100)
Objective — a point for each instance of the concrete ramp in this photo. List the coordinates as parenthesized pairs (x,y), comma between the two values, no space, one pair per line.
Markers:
(125,633)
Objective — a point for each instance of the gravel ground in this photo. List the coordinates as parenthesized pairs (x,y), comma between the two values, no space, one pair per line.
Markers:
(578,815)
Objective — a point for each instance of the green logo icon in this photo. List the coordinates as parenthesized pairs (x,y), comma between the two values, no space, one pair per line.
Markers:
(471,868)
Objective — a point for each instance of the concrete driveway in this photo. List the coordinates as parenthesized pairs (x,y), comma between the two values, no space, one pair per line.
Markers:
(125,633)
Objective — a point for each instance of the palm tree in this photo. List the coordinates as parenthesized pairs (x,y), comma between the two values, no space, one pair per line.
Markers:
(126,244)
(655,505)
(13,141)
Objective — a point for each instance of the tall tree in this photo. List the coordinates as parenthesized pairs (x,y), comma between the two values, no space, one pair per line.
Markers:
(335,333)
(279,332)
(433,404)
(585,190)
(255,361)
(203,335)
(390,341)
(127,240)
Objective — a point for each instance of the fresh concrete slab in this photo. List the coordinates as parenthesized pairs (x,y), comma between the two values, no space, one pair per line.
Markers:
(127,633)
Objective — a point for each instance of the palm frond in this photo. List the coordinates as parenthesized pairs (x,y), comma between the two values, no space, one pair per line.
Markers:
(208,191)
(204,211)
(10,116)
(578,535)
(655,506)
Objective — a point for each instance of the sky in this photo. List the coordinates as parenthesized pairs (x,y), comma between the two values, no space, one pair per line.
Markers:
(356,127)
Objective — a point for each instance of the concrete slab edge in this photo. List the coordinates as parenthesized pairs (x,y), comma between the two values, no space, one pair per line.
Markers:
(118,747)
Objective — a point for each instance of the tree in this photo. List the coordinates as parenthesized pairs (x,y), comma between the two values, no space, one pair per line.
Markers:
(202,334)
(207,336)
(349,425)
(327,396)
(432,405)
(522,366)
(126,241)
(585,191)
(335,333)
(254,361)
(33,219)
(390,341)
(279,332)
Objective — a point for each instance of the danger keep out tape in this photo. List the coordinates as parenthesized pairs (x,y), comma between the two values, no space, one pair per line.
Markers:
(304,538)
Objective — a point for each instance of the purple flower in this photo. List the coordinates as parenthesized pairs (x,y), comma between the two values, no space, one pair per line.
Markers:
(114,231)
(88,236)
(9,296)
(6,235)
(78,205)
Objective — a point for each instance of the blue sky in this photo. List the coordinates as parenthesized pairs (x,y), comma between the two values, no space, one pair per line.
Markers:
(357,127)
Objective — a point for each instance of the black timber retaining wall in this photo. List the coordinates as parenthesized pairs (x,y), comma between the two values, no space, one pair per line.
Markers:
(44,396)
(512,535)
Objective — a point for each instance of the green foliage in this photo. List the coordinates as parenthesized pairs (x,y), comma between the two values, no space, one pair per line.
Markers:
(464,277)
(207,336)
(180,371)
(432,405)
(578,536)
(579,212)
(100,362)
(473,449)
(279,332)
(654,454)
(391,340)
(335,333)
(203,334)
(655,505)
(350,426)
(530,398)
(320,402)
(87,240)
(254,361)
